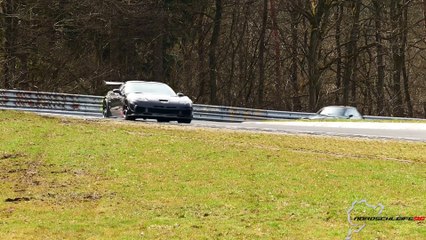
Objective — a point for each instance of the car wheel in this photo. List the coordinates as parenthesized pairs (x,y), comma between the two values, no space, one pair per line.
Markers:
(126,113)
(184,120)
(106,112)
(163,120)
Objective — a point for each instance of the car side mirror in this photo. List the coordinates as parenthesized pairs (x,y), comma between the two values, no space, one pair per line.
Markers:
(116,91)
(179,94)
(350,116)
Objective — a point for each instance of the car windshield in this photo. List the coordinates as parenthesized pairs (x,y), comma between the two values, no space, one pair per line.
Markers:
(149,88)
(333,111)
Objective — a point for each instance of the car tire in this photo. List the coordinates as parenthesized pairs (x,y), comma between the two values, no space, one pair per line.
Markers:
(184,121)
(126,113)
(106,112)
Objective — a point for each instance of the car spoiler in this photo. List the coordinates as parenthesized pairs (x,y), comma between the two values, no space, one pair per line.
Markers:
(113,83)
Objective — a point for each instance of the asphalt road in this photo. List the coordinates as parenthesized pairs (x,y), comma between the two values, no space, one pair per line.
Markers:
(377,130)
(374,130)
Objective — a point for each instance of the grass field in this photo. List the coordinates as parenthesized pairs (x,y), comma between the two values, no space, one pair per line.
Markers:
(97,179)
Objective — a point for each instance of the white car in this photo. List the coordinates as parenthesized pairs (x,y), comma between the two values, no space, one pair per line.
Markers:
(337,112)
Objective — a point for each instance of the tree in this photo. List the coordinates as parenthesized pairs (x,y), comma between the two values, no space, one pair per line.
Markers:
(262,49)
(212,52)
(317,13)
(351,55)
(395,14)
(378,19)
(294,66)
(9,42)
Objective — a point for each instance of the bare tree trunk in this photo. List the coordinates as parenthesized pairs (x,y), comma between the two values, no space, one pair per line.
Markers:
(201,56)
(262,49)
(158,48)
(278,63)
(424,11)
(158,60)
(378,19)
(228,91)
(9,65)
(212,52)
(313,68)
(407,94)
(338,19)
(351,52)
(22,81)
(365,68)
(395,15)
(297,106)
(317,12)
(404,42)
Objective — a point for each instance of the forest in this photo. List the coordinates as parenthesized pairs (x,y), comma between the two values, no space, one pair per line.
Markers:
(295,55)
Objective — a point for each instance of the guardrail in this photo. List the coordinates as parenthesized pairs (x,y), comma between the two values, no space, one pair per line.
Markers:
(238,114)
(73,104)
(47,102)
(391,118)
(87,105)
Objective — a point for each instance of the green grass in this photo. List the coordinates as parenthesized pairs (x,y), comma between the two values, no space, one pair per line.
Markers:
(97,179)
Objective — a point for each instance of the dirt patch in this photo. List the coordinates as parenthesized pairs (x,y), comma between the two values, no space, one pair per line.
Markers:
(60,171)
(62,197)
(356,156)
(22,174)
(18,199)
(92,197)
(11,155)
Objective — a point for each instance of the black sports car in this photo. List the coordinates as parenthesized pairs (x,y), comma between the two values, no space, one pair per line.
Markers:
(147,100)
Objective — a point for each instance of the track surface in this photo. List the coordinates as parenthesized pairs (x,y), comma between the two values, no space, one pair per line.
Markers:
(396,131)
(375,130)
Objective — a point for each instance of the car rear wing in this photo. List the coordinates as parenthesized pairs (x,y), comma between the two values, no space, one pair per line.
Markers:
(115,84)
